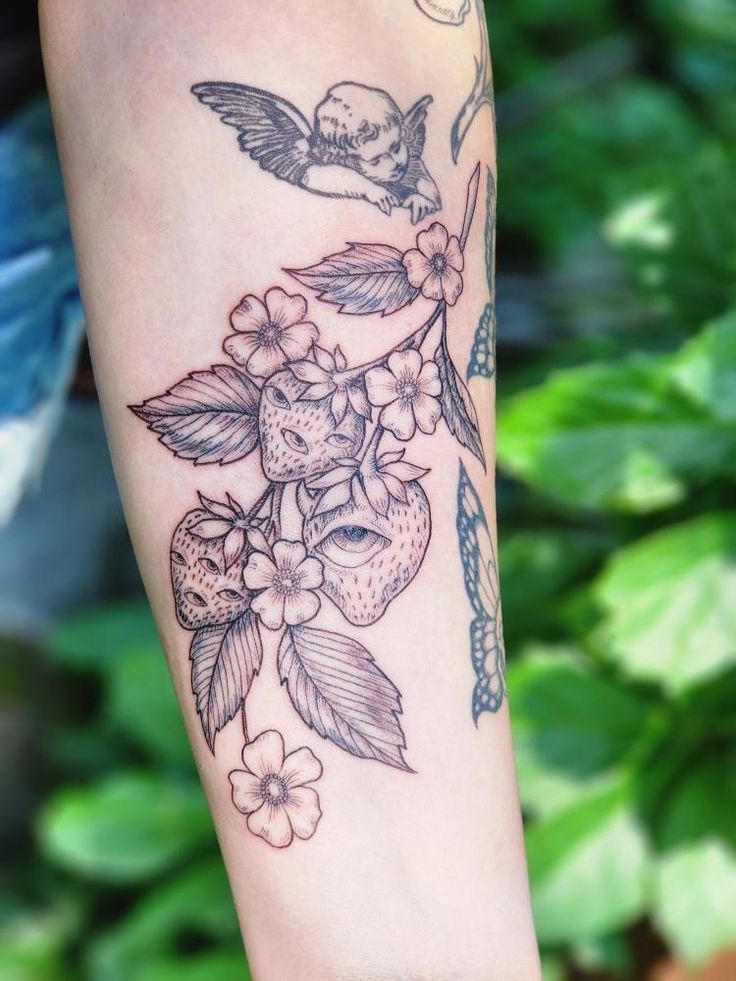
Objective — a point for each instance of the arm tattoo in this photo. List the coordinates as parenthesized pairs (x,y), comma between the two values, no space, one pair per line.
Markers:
(454,12)
(342,513)
(481,584)
(361,144)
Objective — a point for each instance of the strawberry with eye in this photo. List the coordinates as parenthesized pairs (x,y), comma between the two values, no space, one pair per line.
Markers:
(369,524)
(209,551)
(299,436)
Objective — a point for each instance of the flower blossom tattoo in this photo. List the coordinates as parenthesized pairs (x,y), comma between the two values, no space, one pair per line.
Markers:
(343,516)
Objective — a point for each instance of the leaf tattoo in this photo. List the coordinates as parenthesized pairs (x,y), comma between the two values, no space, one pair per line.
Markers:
(340,692)
(480,573)
(208,417)
(457,405)
(482,361)
(362,279)
(342,516)
(225,658)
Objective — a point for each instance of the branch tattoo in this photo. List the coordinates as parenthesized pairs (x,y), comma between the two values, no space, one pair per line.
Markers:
(342,515)
(454,12)
(361,144)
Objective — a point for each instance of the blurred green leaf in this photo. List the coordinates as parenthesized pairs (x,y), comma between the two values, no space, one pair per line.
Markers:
(197,901)
(32,940)
(535,566)
(669,602)
(614,436)
(577,159)
(706,368)
(589,868)
(695,894)
(689,267)
(568,725)
(214,966)
(142,703)
(127,828)
(92,639)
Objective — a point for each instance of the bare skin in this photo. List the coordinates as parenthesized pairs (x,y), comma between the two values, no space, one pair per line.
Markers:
(388,846)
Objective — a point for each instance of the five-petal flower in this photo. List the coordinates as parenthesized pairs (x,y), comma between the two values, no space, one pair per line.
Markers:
(287,582)
(270,333)
(406,388)
(434,266)
(272,790)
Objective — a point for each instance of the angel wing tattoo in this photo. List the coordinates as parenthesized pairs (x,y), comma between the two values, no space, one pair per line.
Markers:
(360,145)
(480,572)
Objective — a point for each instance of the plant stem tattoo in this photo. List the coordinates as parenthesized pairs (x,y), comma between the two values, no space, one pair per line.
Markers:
(454,12)
(361,145)
(476,547)
(482,361)
(343,515)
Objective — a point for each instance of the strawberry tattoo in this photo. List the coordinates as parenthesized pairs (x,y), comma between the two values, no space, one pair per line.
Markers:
(343,515)
(209,552)
(299,437)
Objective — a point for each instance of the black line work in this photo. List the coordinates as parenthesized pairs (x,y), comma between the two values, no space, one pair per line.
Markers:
(332,440)
(480,571)
(360,144)
(482,361)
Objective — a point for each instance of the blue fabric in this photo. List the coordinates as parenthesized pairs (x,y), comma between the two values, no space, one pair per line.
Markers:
(41,320)
(40,309)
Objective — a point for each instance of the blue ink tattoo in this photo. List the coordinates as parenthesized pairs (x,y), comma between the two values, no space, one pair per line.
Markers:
(483,352)
(480,572)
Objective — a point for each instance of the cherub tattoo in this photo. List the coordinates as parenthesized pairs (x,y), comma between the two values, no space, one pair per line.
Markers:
(343,516)
(361,144)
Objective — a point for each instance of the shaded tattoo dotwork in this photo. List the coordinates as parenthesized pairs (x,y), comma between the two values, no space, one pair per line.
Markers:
(454,12)
(482,361)
(361,145)
(343,515)
(480,571)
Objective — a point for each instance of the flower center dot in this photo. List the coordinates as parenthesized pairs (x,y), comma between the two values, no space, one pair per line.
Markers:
(408,390)
(287,583)
(273,789)
(439,262)
(269,333)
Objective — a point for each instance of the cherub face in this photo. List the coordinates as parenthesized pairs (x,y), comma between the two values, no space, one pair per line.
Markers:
(385,158)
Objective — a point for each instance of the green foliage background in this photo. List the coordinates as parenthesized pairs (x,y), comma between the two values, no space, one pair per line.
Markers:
(617,459)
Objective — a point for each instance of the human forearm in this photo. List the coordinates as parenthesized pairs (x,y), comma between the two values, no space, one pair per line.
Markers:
(413,866)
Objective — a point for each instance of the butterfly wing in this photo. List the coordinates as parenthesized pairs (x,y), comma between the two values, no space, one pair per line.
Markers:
(271,130)
(480,573)
(414,125)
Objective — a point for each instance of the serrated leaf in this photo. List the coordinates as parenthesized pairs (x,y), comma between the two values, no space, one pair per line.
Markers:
(589,868)
(695,883)
(208,417)
(669,604)
(93,638)
(340,692)
(614,435)
(571,726)
(225,659)
(141,703)
(362,279)
(197,899)
(458,409)
(705,368)
(127,828)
